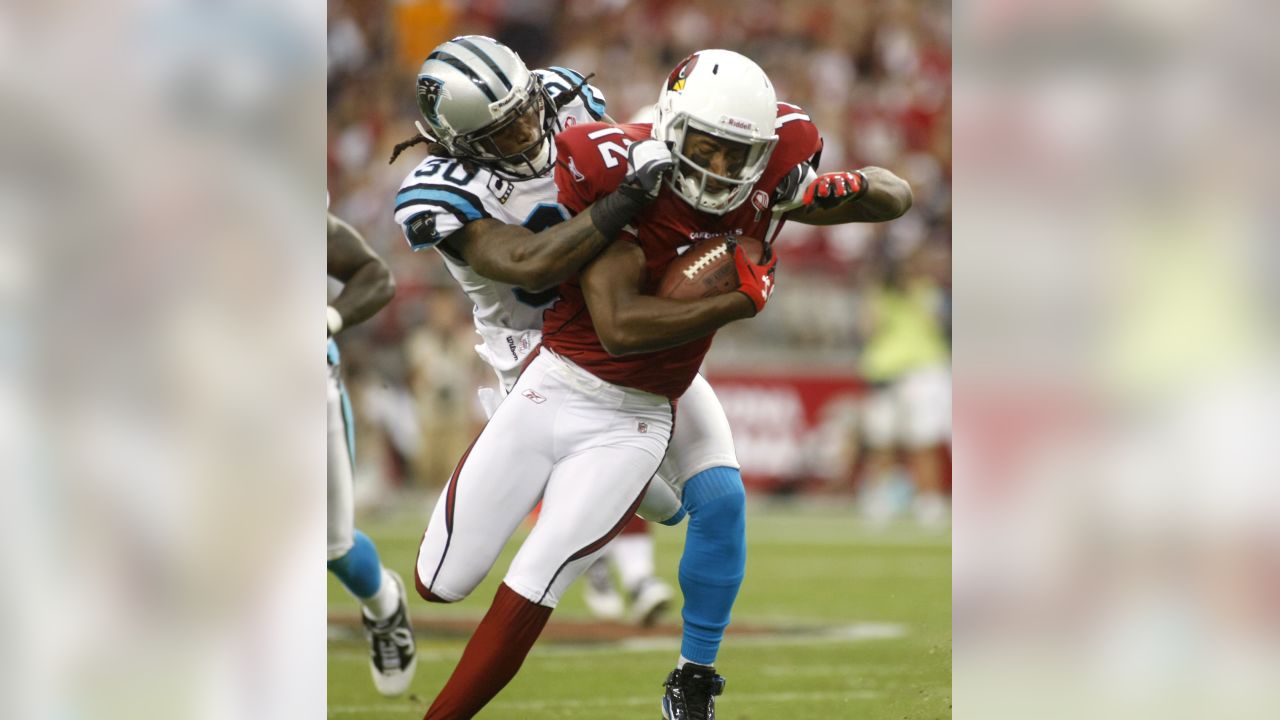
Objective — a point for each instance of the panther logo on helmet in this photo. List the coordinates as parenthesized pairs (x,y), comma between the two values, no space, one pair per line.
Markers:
(430,92)
(675,82)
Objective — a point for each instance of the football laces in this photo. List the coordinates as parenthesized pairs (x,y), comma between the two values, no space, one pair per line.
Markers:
(701,263)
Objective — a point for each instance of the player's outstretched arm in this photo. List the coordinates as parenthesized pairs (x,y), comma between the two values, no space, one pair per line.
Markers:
(871,194)
(534,261)
(629,322)
(512,254)
(367,285)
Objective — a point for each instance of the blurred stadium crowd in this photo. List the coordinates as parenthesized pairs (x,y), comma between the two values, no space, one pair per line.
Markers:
(874,75)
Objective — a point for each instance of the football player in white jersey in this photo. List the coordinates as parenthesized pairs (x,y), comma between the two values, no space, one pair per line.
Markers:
(479,208)
(367,287)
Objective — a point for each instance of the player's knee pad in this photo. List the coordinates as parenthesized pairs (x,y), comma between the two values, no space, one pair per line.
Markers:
(660,503)
(359,569)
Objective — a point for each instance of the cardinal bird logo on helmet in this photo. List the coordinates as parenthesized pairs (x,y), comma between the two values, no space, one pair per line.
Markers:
(675,82)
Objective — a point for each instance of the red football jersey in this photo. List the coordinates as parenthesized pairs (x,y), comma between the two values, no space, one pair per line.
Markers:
(592,163)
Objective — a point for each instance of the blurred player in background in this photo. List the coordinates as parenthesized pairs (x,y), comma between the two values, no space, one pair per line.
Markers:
(367,287)
(645,597)
(908,409)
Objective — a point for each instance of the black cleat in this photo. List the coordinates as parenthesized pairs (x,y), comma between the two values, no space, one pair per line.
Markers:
(393,652)
(691,693)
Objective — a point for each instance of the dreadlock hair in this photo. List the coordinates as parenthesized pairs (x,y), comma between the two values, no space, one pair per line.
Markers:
(405,145)
(576,91)
(435,148)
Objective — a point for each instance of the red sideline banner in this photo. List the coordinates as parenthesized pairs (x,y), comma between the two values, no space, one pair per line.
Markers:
(791,428)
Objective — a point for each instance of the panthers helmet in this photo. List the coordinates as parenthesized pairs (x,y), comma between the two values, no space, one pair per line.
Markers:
(470,89)
(726,95)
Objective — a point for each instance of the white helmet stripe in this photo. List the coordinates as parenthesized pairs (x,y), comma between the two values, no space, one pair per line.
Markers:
(478,65)
(484,57)
(466,70)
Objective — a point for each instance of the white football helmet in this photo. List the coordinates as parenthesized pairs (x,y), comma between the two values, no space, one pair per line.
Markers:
(471,88)
(726,95)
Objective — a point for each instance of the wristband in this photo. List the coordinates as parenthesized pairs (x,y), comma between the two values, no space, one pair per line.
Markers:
(866,185)
(335,320)
(615,211)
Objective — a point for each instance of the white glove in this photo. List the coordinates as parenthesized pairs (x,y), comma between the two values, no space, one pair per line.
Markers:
(647,160)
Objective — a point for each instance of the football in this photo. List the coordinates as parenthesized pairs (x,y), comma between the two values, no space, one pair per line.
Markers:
(706,268)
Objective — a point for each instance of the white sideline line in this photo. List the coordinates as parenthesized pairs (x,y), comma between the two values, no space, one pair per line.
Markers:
(782,538)
(859,632)
(623,701)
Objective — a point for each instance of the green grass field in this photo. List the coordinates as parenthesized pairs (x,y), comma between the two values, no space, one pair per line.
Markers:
(837,621)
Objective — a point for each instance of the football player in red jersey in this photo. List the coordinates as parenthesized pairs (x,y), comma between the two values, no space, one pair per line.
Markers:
(732,144)
(589,420)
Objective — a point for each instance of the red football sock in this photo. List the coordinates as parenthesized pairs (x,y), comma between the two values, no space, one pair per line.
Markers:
(493,656)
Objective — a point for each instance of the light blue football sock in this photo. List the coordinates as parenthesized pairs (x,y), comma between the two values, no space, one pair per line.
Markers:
(359,570)
(714,560)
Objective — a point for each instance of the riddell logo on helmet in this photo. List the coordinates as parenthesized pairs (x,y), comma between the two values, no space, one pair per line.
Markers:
(737,123)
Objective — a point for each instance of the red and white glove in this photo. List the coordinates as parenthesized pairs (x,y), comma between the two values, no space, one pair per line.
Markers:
(832,189)
(755,281)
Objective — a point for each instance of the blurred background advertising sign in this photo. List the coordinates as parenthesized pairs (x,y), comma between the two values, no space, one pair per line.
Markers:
(790,427)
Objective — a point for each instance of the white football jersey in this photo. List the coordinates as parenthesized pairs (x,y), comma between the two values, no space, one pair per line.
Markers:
(441,195)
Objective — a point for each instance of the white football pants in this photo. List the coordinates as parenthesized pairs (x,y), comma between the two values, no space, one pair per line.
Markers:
(702,438)
(585,447)
(341,506)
